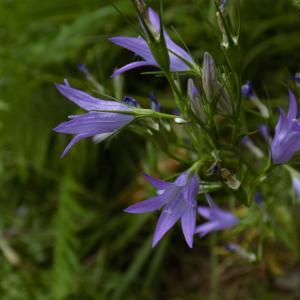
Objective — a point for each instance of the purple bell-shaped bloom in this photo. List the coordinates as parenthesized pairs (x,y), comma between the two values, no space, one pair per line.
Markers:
(286,141)
(218,219)
(177,200)
(96,122)
(177,55)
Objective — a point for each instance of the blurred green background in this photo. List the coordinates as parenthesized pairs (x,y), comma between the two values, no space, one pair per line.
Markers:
(63,234)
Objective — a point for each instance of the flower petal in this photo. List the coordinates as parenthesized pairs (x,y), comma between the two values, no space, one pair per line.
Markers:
(76,139)
(136,45)
(293,108)
(188,223)
(206,228)
(190,191)
(148,205)
(204,211)
(130,66)
(93,123)
(88,102)
(157,183)
(169,216)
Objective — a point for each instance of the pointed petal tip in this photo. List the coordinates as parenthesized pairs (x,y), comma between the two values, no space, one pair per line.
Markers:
(154,242)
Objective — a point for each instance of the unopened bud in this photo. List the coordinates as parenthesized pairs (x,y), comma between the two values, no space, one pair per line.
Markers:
(194,96)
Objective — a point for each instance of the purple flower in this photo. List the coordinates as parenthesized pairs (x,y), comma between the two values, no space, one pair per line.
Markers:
(218,219)
(247,89)
(286,141)
(177,201)
(178,56)
(95,122)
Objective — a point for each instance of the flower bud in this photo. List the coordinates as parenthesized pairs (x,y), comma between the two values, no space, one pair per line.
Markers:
(194,96)
(213,89)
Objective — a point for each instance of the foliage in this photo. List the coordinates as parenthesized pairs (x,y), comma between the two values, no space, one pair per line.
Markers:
(63,233)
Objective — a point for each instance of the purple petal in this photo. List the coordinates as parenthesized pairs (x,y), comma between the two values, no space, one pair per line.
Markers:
(190,191)
(176,63)
(130,66)
(181,180)
(149,205)
(93,123)
(87,101)
(136,45)
(157,183)
(169,216)
(206,228)
(154,19)
(76,139)
(188,223)
(292,114)
(204,212)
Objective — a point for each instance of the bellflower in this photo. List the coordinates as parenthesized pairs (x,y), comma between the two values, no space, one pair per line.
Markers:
(179,58)
(286,141)
(218,219)
(247,91)
(96,122)
(178,202)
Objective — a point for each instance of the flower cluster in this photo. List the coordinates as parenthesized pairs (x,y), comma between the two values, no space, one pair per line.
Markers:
(210,107)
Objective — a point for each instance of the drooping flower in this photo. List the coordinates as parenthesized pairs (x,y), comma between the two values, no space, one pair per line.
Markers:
(218,219)
(96,122)
(248,91)
(178,202)
(247,141)
(178,57)
(286,141)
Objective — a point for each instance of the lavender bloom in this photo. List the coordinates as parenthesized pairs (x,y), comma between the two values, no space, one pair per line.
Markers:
(178,56)
(296,186)
(218,219)
(93,123)
(247,89)
(286,141)
(178,202)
